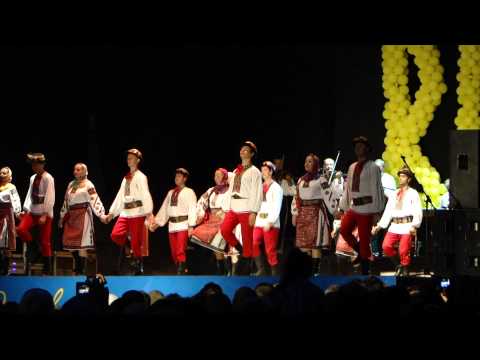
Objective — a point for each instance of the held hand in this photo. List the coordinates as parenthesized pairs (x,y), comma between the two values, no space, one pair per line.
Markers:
(413,231)
(43,219)
(153,227)
(375,229)
(338,214)
(150,219)
(251,219)
(109,218)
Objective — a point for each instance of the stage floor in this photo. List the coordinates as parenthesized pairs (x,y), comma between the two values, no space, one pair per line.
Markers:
(63,288)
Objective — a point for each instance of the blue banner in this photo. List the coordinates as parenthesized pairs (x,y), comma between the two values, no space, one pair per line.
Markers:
(63,288)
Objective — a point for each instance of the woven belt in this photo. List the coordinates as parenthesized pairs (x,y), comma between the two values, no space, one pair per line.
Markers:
(402,220)
(177,219)
(5,205)
(36,199)
(311,202)
(263,215)
(133,204)
(237,197)
(362,200)
(216,211)
(79,206)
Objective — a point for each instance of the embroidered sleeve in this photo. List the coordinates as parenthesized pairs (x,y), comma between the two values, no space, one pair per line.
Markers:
(276,204)
(49,196)
(162,217)
(16,203)
(117,204)
(95,202)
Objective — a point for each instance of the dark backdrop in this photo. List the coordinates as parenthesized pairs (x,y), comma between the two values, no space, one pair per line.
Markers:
(192,105)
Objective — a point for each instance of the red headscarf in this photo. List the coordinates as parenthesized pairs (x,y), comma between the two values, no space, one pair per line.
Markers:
(314,173)
(309,176)
(223,187)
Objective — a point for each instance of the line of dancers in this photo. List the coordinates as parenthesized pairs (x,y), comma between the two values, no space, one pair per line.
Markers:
(236,218)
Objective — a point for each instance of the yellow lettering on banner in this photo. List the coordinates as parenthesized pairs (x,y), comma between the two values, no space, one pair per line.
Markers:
(4,296)
(58,296)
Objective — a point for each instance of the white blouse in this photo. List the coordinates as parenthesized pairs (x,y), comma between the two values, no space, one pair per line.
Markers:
(186,206)
(138,192)
(10,195)
(251,191)
(411,206)
(46,192)
(216,201)
(84,194)
(271,207)
(314,191)
(370,185)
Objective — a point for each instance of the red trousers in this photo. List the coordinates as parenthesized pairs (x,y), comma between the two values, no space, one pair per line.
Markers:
(230,221)
(28,221)
(271,241)
(178,245)
(405,246)
(137,230)
(350,220)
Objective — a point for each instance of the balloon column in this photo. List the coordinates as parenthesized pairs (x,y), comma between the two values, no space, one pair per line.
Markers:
(468,90)
(406,121)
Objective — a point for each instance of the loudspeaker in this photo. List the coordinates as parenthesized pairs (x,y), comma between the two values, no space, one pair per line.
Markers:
(436,241)
(467,242)
(464,168)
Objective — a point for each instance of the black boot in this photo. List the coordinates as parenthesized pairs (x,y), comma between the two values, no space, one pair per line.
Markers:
(315,266)
(228,266)
(403,270)
(275,270)
(261,271)
(221,267)
(396,264)
(365,267)
(46,265)
(139,266)
(4,264)
(79,263)
(182,269)
(239,268)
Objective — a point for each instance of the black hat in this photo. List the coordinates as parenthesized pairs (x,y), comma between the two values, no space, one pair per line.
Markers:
(363,140)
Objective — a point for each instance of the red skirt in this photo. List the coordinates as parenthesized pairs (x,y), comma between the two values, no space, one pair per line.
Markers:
(73,225)
(312,227)
(342,247)
(207,230)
